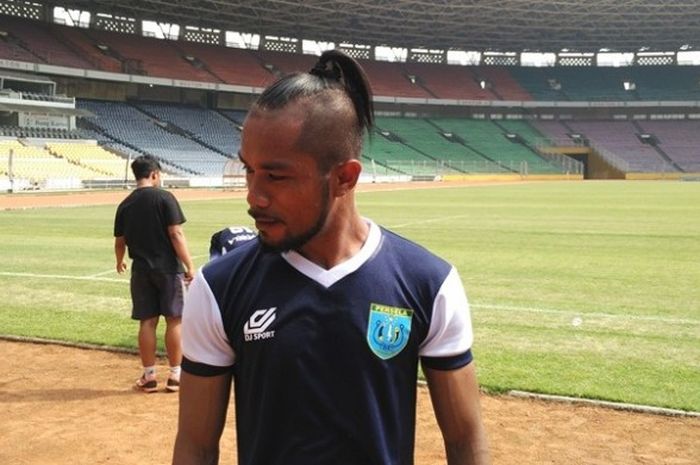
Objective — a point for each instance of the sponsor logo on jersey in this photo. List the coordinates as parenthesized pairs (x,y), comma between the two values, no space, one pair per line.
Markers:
(388,329)
(255,328)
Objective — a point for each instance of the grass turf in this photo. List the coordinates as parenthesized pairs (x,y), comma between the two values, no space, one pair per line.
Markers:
(587,289)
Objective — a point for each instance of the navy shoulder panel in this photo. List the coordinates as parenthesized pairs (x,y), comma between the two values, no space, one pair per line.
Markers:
(415,260)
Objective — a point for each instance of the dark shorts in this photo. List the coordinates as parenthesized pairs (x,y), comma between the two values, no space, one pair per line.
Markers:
(154,293)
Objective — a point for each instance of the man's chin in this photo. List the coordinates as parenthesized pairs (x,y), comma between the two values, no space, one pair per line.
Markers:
(284,245)
(273,247)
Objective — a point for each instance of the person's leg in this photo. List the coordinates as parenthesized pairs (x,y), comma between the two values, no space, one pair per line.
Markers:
(147,350)
(145,309)
(147,341)
(173,345)
(172,299)
(173,342)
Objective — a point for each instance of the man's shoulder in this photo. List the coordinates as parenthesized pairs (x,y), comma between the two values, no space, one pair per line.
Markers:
(234,271)
(144,192)
(408,248)
(231,261)
(161,193)
(412,260)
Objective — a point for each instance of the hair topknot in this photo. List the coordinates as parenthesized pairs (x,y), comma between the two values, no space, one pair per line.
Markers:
(334,70)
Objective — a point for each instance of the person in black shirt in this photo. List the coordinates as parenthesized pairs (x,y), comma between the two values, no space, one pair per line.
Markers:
(148,223)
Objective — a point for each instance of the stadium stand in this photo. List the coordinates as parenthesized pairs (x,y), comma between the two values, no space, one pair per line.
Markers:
(34,41)
(129,126)
(556,132)
(78,41)
(679,140)
(395,157)
(501,83)
(575,83)
(390,80)
(525,130)
(41,44)
(621,139)
(152,57)
(666,82)
(237,116)
(280,63)
(37,164)
(230,65)
(449,154)
(206,126)
(41,133)
(192,140)
(539,84)
(448,82)
(489,140)
(92,157)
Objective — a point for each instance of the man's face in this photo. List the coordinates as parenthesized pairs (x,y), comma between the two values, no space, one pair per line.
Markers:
(288,198)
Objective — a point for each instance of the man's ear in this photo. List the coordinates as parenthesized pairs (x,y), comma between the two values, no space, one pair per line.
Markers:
(346,175)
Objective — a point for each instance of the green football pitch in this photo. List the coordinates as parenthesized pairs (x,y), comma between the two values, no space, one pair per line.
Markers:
(586,289)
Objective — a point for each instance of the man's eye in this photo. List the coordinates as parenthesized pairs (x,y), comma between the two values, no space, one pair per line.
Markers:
(276,177)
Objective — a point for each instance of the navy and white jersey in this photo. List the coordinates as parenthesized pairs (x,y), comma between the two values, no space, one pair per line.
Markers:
(325,361)
(228,239)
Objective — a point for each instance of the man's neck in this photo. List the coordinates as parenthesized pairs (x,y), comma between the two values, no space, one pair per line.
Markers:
(338,242)
(141,183)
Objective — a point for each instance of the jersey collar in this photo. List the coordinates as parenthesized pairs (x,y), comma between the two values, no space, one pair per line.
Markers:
(329,277)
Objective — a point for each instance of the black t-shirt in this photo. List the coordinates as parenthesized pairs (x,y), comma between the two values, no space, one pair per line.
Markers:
(143,219)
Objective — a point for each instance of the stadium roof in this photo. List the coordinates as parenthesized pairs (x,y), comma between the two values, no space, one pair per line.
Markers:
(481,25)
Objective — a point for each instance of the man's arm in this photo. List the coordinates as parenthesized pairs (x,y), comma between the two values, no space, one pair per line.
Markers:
(455,397)
(177,238)
(120,252)
(203,405)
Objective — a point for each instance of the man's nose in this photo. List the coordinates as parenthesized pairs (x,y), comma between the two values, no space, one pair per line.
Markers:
(257,197)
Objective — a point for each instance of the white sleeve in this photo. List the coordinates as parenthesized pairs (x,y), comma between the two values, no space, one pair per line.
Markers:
(450,331)
(203,337)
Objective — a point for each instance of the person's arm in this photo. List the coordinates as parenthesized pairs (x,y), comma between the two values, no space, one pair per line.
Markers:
(177,238)
(203,405)
(455,397)
(120,252)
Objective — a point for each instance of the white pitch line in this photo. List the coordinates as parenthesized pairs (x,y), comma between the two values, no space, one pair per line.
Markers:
(195,257)
(62,276)
(586,314)
(101,274)
(432,220)
(473,305)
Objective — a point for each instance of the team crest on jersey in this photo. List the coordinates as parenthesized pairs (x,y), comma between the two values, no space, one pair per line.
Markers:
(388,329)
